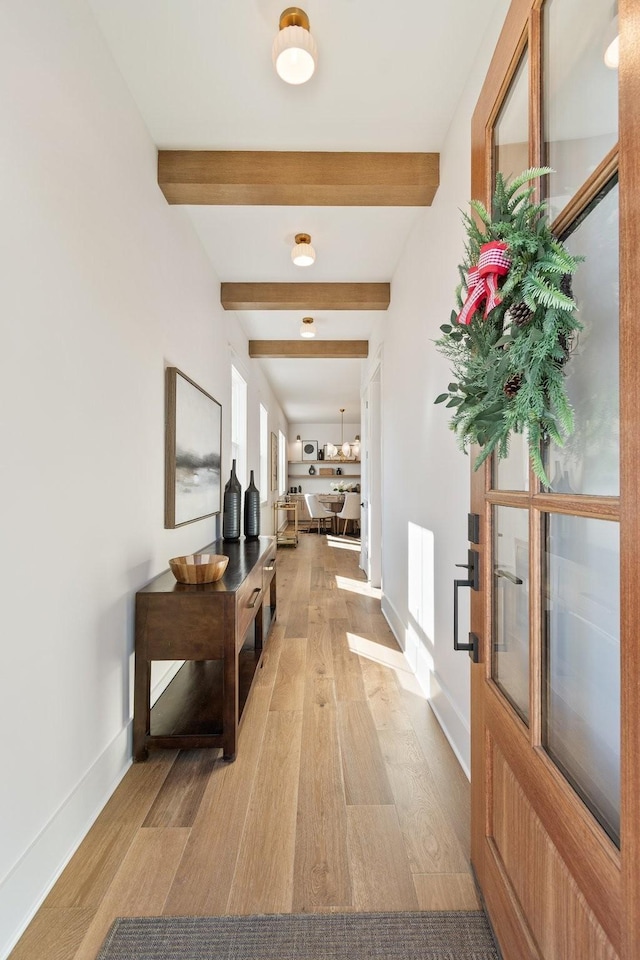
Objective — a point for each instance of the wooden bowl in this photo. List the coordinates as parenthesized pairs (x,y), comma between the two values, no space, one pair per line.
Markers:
(199,567)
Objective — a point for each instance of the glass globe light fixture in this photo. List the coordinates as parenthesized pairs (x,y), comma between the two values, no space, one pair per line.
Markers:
(303,254)
(294,49)
(612,45)
(308,329)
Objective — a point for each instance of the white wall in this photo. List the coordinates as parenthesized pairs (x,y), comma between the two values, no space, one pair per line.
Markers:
(425,477)
(322,432)
(103,285)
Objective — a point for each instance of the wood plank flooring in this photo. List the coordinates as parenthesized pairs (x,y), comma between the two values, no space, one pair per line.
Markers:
(345,795)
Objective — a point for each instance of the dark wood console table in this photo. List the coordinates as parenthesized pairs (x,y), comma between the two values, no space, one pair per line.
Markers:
(218,629)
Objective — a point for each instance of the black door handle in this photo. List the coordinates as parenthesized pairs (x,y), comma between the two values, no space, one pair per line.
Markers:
(473,566)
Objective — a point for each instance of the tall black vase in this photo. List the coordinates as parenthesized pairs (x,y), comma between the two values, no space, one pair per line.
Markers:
(231,507)
(252,511)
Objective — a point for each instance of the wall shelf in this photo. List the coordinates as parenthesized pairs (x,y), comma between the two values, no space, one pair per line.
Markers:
(334,477)
(328,463)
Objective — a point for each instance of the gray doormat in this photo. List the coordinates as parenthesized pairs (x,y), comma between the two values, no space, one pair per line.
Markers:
(352,936)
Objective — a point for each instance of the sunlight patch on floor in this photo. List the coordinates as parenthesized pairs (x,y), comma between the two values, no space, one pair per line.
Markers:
(341,544)
(377,652)
(358,586)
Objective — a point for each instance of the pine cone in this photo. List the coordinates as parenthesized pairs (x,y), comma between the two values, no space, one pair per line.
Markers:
(566,286)
(520,314)
(512,385)
(567,344)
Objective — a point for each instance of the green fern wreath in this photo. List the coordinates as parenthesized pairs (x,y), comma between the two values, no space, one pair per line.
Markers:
(508,359)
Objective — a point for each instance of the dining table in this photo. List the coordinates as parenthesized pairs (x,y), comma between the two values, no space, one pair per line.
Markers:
(334,502)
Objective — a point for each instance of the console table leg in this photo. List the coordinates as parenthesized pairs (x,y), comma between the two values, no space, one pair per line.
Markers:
(230,705)
(141,708)
(259,627)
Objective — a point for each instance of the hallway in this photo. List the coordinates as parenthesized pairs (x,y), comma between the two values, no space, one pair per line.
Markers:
(345,795)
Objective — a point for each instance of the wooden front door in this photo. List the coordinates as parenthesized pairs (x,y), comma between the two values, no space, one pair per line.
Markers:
(556,694)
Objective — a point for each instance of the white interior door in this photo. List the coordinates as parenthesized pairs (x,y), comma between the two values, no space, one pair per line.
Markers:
(371,523)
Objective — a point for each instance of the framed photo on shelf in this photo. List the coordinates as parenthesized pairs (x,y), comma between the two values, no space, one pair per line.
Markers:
(274,462)
(309,449)
(193,441)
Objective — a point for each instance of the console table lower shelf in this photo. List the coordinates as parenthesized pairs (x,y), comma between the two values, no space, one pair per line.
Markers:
(219,630)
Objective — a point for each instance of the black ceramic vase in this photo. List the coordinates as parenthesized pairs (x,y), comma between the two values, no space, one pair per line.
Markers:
(231,507)
(252,511)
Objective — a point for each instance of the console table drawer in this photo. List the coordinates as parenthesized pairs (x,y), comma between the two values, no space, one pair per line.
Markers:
(178,628)
(248,600)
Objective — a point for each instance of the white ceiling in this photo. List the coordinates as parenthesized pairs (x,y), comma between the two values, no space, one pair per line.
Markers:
(388,79)
(254,243)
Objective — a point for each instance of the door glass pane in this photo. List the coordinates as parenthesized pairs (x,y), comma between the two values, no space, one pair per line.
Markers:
(581,93)
(589,461)
(510,660)
(581,720)
(511,157)
(512,473)
(511,130)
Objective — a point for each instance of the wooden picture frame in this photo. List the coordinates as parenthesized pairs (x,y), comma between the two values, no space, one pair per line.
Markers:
(274,463)
(193,445)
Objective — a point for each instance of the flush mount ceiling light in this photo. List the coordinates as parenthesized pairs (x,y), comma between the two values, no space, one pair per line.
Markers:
(294,49)
(612,45)
(303,254)
(307,330)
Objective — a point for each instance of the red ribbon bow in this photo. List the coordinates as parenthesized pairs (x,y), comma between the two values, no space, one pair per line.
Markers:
(482,281)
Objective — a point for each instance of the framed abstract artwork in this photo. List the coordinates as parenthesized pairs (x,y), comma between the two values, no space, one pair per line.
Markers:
(274,462)
(193,444)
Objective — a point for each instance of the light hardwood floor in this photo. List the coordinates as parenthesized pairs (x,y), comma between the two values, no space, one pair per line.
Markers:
(345,795)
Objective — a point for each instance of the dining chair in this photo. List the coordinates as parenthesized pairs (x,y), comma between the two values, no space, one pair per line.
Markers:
(304,517)
(350,510)
(317,511)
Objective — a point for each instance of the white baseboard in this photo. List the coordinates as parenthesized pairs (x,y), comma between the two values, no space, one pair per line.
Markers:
(454,725)
(393,618)
(29,881)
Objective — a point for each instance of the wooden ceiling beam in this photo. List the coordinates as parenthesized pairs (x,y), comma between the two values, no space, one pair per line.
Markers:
(310,349)
(305,296)
(298,178)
